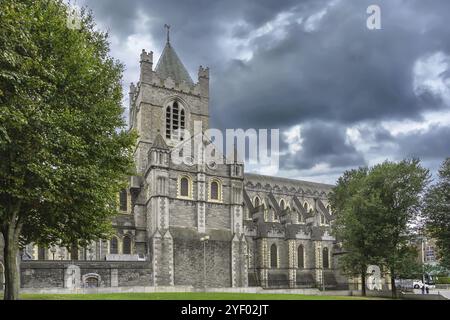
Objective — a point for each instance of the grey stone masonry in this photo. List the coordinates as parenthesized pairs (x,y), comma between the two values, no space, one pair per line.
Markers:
(256,224)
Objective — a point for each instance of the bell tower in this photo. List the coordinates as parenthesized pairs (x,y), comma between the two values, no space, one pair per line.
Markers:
(166,101)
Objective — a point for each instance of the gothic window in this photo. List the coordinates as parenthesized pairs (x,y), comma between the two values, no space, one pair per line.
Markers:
(41,253)
(257,202)
(306,206)
(175,121)
(123,200)
(322,219)
(127,245)
(161,186)
(301,257)
(91,282)
(184,187)
(282,205)
(274,256)
(325,258)
(114,246)
(214,192)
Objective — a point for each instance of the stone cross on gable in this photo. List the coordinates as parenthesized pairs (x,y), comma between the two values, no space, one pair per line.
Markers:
(168,32)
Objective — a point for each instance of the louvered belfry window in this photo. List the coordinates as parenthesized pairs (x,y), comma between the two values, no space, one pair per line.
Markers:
(175,121)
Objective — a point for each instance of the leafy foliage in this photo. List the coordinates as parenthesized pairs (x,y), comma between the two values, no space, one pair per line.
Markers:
(64,150)
(375,208)
(437,213)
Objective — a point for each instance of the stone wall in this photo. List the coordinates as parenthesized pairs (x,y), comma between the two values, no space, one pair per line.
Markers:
(51,274)
(188,263)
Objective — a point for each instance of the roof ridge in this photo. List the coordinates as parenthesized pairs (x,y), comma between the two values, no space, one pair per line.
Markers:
(254,175)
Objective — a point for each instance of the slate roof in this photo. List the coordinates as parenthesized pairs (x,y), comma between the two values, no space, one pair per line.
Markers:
(159,143)
(169,65)
(255,178)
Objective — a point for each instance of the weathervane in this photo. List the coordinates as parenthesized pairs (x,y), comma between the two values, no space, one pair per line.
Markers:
(168,32)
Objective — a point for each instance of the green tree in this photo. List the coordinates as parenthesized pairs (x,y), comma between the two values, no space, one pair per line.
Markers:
(437,213)
(398,189)
(64,153)
(354,225)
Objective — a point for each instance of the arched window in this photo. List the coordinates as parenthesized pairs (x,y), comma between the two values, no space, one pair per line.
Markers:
(126,245)
(306,206)
(214,191)
(114,246)
(282,205)
(274,256)
(322,219)
(184,187)
(300,217)
(41,253)
(175,121)
(91,282)
(123,200)
(325,258)
(301,257)
(257,202)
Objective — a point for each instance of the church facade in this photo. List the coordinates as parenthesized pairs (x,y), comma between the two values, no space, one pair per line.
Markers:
(194,224)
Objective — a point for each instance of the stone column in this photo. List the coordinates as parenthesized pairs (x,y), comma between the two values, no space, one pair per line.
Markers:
(244,262)
(264,262)
(201,201)
(157,257)
(114,278)
(167,251)
(235,261)
(318,261)
(292,263)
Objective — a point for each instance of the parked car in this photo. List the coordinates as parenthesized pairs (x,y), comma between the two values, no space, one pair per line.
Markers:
(418,284)
(413,284)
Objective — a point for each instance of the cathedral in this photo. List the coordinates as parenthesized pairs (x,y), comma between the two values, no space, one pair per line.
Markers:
(196,224)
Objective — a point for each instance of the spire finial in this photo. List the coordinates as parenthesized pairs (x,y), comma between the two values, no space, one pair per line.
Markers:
(168,32)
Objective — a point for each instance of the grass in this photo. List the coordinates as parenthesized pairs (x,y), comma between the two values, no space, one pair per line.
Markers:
(183,296)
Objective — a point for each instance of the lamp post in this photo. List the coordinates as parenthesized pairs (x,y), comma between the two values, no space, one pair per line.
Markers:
(204,240)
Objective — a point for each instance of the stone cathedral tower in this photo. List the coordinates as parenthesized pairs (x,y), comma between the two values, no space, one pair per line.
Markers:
(174,206)
(262,231)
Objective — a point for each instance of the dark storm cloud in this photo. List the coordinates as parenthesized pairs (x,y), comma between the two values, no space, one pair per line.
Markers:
(323,143)
(342,71)
(433,143)
(337,75)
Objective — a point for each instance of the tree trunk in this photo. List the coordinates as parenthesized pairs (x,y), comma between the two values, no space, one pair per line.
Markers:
(393,287)
(11,251)
(363,284)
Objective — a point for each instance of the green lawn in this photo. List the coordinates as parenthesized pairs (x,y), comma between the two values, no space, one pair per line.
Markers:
(184,296)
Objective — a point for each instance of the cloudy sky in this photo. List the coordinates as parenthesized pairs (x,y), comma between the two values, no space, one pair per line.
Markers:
(342,95)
